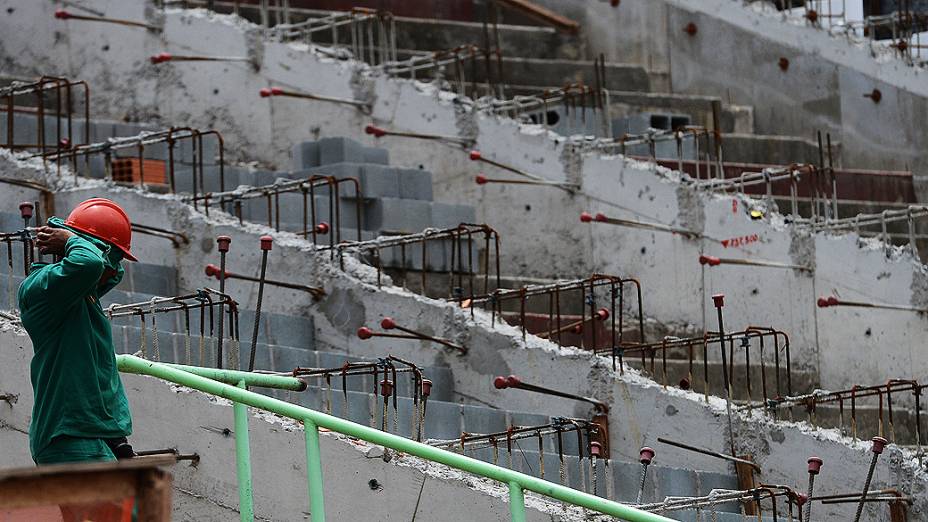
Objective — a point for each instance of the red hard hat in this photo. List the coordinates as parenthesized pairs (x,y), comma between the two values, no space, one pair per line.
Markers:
(105,220)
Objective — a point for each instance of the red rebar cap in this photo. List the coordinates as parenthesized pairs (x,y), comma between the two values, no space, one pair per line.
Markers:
(386,387)
(825,302)
(224,242)
(266,242)
(481,179)
(645,455)
(600,217)
(374,130)
(387,323)
(596,449)
(61,14)
(161,58)
(212,271)
(709,260)
(585,217)
(365,333)
(64,143)
(602,314)
(815,465)
(273,91)
(426,387)
(475,155)
(322,228)
(801,499)
(500,383)
(577,329)
(684,384)
(878,444)
(513,381)
(25,209)
(718,300)
(690,29)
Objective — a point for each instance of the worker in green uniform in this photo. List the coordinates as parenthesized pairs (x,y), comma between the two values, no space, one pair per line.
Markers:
(81,412)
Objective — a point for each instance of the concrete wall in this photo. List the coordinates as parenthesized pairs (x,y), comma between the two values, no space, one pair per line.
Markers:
(641,410)
(225,95)
(823,88)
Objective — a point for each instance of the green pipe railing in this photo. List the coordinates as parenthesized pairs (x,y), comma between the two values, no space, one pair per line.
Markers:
(202,379)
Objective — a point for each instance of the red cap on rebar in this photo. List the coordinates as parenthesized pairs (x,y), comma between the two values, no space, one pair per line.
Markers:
(586,217)
(365,333)
(596,449)
(600,217)
(266,242)
(602,314)
(645,455)
(426,387)
(475,155)
(500,383)
(64,143)
(577,329)
(878,444)
(374,130)
(25,209)
(322,228)
(513,381)
(62,14)
(264,92)
(718,300)
(161,57)
(684,384)
(387,323)
(801,499)
(690,29)
(224,242)
(481,179)
(386,387)
(212,271)
(825,302)
(815,465)
(709,260)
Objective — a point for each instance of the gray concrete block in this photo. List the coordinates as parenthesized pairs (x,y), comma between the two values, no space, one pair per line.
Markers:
(376,155)
(339,150)
(445,215)
(379,181)
(209,180)
(305,155)
(415,184)
(443,420)
(480,419)
(676,482)
(149,279)
(398,215)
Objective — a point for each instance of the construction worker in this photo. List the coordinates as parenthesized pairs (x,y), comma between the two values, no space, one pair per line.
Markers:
(80,412)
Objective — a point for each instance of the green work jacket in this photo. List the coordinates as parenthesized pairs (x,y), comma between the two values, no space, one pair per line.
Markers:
(74,377)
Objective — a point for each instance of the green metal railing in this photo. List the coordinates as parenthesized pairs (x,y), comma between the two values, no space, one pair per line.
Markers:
(231,385)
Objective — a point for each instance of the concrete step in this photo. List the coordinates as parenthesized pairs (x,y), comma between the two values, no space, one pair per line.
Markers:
(279,358)
(326,151)
(901,431)
(773,150)
(382,214)
(433,35)
(559,72)
(275,328)
(376,180)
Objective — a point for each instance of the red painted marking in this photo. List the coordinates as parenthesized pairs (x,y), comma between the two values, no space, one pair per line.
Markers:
(740,241)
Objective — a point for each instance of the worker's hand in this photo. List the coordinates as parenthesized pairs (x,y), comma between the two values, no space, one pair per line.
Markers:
(52,240)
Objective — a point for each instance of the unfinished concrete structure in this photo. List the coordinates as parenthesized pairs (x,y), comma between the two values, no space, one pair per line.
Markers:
(685,176)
